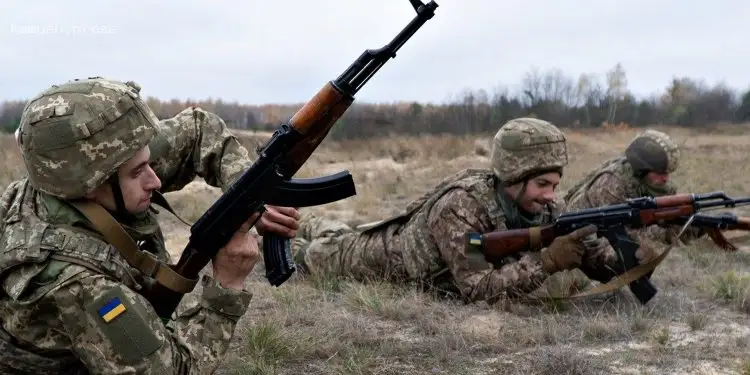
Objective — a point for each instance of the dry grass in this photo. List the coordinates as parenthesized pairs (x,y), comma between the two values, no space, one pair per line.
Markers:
(697,324)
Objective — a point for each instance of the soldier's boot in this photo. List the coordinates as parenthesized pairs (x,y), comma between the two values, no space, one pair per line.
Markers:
(299,249)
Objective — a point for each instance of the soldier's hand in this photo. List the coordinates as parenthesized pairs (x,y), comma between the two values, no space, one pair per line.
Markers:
(566,252)
(595,245)
(234,262)
(283,221)
(599,252)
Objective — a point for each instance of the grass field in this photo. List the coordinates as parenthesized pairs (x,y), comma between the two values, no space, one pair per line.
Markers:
(699,322)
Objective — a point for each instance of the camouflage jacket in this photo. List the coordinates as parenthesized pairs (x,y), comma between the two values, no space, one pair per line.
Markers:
(431,238)
(612,183)
(60,317)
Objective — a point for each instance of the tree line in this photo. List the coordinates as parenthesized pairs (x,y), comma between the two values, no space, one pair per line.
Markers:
(584,102)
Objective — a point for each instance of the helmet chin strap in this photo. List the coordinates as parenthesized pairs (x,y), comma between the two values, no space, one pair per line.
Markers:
(521,193)
(120,211)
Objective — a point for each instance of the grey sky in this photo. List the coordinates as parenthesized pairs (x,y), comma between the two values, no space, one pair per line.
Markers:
(264,51)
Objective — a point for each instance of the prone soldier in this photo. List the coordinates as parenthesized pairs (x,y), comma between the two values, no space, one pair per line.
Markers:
(644,169)
(426,243)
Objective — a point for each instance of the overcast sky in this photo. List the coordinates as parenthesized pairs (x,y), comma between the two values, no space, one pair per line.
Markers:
(264,51)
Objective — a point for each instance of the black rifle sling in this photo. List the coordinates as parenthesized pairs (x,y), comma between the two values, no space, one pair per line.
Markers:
(158,199)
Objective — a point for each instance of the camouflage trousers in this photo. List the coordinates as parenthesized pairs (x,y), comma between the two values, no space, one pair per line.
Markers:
(16,360)
(332,248)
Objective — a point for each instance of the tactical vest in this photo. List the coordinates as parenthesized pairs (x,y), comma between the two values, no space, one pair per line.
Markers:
(31,246)
(577,198)
(419,247)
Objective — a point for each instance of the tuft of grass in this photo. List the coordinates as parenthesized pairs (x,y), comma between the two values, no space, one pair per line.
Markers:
(327,283)
(661,337)
(745,367)
(557,360)
(697,321)
(267,348)
(385,300)
(730,286)
(640,323)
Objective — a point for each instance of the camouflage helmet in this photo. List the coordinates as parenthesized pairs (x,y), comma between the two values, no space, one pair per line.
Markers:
(653,151)
(75,135)
(527,146)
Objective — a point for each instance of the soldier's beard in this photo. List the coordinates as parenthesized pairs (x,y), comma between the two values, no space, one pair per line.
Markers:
(143,206)
(534,206)
(537,206)
(526,205)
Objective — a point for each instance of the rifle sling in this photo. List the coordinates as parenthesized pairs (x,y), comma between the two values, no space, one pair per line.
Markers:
(618,282)
(641,270)
(159,199)
(624,278)
(144,261)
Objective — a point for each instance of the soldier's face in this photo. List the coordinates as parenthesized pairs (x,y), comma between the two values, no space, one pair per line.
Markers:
(658,179)
(539,192)
(137,182)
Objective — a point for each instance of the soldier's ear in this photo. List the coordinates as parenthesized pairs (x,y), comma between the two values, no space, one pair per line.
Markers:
(514,190)
(93,194)
(101,191)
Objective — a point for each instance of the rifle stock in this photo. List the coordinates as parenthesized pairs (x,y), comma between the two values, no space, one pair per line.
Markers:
(269,180)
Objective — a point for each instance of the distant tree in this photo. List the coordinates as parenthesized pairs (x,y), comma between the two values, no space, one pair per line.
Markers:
(743,112)
(551,95)
(617,86)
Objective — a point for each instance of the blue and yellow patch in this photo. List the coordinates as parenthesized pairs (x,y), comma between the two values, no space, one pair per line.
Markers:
(111,310)
(475,239)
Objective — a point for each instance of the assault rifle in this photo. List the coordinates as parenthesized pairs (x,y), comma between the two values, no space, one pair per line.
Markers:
(611,221)
(269,180)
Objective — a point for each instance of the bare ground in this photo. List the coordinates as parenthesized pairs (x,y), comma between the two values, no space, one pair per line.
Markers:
(697,324)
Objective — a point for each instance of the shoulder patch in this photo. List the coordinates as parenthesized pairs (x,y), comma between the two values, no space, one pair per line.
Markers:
(111,309)
(125,324)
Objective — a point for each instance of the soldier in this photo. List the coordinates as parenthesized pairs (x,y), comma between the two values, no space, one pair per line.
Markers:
(69,301)
(643,170)
(426,243)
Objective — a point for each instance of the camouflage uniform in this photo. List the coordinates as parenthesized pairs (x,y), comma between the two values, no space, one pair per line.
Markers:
(61,282)
(426,243)
(622,178)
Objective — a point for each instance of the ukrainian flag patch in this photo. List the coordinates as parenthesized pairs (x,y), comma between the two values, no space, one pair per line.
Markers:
(111,310)
(475,239)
